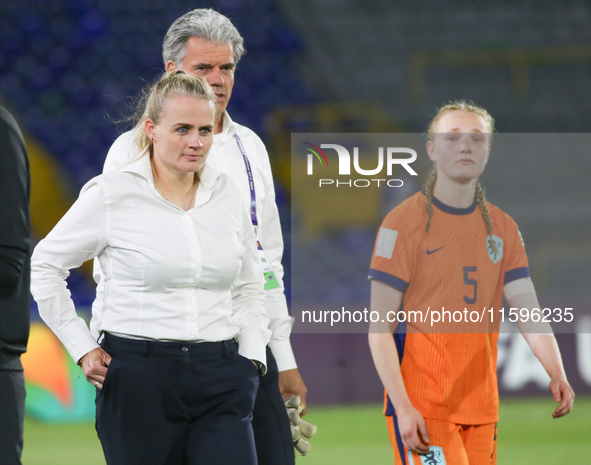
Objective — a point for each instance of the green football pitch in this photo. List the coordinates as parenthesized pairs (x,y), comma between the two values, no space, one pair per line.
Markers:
(357,435)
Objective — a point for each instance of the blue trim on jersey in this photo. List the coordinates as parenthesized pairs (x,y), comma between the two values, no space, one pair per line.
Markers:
(399,441)
(396,283)
(399,340)
(453,210)
(400,336)
(516,273)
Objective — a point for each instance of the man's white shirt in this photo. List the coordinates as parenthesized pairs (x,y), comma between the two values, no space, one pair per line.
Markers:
(226,157)
(168,274)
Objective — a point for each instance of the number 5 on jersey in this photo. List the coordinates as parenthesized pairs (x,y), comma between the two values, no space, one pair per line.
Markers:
(470,282)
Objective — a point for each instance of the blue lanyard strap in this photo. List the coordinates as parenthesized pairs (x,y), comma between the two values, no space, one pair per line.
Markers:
(270,278)
(253,197)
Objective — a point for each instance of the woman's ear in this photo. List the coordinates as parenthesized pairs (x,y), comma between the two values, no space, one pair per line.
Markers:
(487,154)
(149,129)
(431,150)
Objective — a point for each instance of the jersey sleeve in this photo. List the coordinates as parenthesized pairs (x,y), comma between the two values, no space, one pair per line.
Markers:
(392,261)
(515,264)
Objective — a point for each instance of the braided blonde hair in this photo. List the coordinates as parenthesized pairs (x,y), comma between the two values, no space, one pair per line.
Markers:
(460,105)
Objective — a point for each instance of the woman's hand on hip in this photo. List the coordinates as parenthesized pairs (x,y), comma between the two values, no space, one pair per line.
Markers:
(95,364)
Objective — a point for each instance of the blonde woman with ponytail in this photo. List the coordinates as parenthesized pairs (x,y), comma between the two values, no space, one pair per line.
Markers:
(447,248)
(182,320)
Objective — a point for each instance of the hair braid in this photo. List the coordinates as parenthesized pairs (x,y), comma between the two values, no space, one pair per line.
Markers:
(481,201)
(429,187)
(468,106)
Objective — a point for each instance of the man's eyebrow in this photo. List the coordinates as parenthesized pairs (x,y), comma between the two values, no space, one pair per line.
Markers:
(229,64)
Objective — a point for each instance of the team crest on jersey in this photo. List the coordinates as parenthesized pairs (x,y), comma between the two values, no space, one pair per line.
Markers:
(494,256)
(433,457)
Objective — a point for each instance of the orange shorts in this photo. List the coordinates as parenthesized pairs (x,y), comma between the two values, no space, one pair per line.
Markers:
(449,444)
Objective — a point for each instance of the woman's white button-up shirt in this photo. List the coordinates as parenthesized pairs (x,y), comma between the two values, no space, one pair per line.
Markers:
(169,275)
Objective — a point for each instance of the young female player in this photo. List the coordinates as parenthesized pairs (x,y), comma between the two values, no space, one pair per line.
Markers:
(448,247)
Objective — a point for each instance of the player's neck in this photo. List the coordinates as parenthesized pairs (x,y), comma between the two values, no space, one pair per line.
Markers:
(454,194)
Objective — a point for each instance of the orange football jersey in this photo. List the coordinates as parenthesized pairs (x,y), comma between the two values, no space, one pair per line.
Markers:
(448,375)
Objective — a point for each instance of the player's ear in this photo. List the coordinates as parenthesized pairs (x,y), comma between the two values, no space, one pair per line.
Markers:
(431,150)
(487,154)
(170,66)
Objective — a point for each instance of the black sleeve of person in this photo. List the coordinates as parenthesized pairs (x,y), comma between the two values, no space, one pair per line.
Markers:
(15,228)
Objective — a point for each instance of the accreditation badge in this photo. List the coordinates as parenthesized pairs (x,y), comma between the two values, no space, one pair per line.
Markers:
(270,279)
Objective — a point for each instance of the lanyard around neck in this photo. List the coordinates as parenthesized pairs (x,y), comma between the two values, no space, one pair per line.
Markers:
(253,197)
(264,263)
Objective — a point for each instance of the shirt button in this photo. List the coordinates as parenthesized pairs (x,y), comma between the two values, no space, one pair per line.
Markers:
(185,349)
(192,334)
(195,278)
(193,244)
(190,302)
(192,319)
(185,217)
